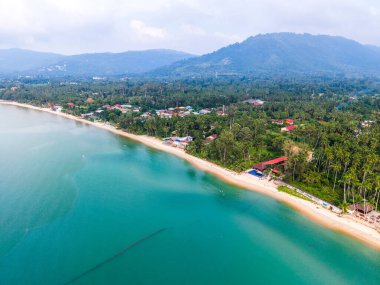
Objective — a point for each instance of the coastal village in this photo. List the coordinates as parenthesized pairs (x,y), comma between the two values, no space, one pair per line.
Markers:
(270,170)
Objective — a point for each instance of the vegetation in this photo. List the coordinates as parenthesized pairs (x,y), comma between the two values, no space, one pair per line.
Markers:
(334,153)
(292,192)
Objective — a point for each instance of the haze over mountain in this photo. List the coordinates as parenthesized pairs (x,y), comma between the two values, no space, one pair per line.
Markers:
(284,53)
(32,63)
(111,64)
(19,60)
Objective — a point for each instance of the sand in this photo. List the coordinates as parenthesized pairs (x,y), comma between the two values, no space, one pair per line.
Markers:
(345,224)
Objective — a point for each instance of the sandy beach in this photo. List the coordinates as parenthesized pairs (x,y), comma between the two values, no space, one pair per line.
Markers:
(344,224)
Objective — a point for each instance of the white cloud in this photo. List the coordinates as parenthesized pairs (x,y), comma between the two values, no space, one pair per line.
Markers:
(194,30)
(198,26)
(145,32)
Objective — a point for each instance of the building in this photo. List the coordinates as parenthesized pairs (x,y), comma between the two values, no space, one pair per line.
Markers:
(273,164)
(205,111)
(255,102)
(365,209)
(289,121)
(278,122)
(210,139)
(288,128)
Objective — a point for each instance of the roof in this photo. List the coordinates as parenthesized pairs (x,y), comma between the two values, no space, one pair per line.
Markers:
(368,208)
(259,166)
(276,160)
(289,121)
(290,128)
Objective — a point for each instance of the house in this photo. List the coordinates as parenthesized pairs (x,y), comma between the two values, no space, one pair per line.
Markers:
(278,122)
(289,121)
(211,138)
(57,108)
(146,115)
(87,115)
(367,124)
(164,113)
(280,161)
(205,111)
(185,139)
(255,102)
(71,105)
(288,129)
(178,142)
(365,209)
(90,100)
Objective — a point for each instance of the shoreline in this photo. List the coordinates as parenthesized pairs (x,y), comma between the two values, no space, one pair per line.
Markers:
(344,224)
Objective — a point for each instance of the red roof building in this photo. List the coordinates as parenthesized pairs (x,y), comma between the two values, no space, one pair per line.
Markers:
(289,121)
(263,165)
(259,166)
(71,104)
(276,160)
(288,128)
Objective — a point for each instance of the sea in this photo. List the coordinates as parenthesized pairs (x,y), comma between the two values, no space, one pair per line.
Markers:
(80,205)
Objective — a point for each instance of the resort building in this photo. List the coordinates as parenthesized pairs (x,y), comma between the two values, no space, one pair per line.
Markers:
(288,128)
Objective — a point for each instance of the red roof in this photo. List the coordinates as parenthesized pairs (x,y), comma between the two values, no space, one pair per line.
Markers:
(290,128)
(70,104)
(289,121)
(276,160)
(275,170)
(259,166)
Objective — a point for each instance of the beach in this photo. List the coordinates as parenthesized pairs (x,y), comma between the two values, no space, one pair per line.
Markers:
(344,224)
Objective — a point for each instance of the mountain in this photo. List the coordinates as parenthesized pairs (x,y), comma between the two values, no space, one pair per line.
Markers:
(283,53)
(19,60)
(31,63)
(112,64)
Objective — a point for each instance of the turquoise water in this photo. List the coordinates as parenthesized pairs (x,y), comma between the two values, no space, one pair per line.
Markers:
(71,196)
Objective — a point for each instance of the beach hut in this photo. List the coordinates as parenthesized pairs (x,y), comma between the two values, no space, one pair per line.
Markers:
(365,209)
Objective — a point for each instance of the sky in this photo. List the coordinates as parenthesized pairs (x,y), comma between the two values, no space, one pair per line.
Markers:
(195,26)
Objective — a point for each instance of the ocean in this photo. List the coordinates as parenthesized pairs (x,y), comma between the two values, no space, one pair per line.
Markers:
(79,205)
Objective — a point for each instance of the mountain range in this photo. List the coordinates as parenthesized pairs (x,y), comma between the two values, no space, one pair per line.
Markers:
(272,54)
(284,53)
(31,63)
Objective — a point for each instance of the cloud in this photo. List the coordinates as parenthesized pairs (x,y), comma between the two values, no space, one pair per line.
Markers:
(145,32)
(194,30)
(198,26)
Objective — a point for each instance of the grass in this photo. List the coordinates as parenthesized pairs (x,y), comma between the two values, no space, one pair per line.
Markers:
(293,193)
(323,192)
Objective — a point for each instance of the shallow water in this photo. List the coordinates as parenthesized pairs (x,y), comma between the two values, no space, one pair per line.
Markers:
(72,196)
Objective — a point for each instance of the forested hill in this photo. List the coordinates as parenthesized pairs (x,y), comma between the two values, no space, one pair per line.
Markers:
(31,63)
(110,64)
(20,60)
(284,53)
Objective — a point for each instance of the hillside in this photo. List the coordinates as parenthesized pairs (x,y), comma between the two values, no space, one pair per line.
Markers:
(20,60)
(284,53)
(31,63)
(111,64)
